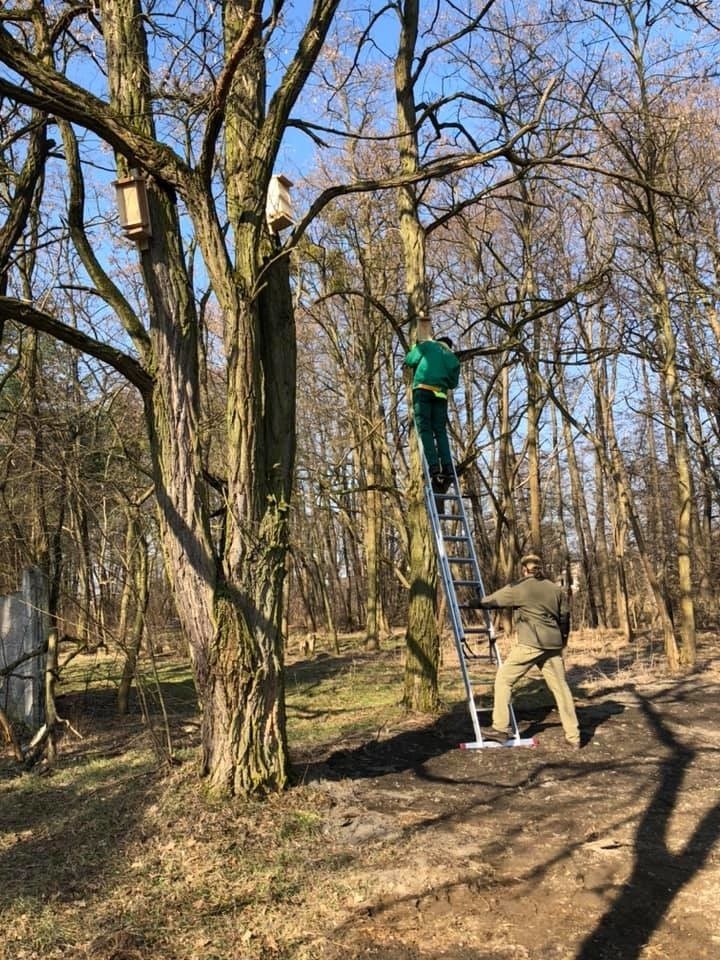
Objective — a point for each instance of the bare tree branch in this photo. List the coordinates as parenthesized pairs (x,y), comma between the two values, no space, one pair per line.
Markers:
(24,313)
(55,94)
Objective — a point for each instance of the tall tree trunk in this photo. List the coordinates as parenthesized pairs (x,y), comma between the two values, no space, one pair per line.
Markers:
(533,449)
(422,638)
(134,601)
(627,510)
(600,550)
(581,518)
(704,538)
(681,650)
(423,644)
(507,549)
(373,529)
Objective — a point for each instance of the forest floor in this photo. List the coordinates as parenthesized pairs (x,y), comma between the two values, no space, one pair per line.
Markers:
(394,844)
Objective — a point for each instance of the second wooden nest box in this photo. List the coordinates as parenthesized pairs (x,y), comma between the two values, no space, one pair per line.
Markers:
(279,205)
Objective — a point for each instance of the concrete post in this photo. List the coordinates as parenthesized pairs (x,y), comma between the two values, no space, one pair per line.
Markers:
(24,628)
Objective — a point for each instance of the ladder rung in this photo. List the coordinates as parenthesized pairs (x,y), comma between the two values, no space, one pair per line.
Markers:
(469,655)
(460,559)
(456,538)
(466,583)
(470,629)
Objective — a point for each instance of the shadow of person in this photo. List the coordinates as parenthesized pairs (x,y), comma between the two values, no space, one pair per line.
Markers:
(534,720)
(594,715)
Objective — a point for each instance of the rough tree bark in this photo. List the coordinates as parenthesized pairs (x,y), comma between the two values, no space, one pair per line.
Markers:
(230,605)
(422,637)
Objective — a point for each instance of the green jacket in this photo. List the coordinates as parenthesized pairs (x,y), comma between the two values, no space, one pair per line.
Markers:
(543,616)
(434,364)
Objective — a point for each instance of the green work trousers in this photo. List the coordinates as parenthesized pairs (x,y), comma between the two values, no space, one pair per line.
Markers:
(431,424)
(550,663)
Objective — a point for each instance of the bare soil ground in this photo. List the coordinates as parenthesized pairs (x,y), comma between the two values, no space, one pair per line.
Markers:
(395,844)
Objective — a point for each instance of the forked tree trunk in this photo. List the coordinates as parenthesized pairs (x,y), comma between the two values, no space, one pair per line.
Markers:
(230,607)
(229,598)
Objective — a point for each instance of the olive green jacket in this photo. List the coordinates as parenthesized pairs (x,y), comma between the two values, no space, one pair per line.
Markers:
(542,617)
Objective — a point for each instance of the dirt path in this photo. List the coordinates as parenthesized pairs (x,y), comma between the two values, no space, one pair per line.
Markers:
(396,845)
(506,854)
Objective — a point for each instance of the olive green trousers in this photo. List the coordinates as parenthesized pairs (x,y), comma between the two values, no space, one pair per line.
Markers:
(550,663)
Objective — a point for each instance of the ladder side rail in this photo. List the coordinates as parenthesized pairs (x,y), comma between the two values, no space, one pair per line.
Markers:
(450,595)
(492,635)
(448,584)
(449,588)
(446,577)
(444,560)
(477,575)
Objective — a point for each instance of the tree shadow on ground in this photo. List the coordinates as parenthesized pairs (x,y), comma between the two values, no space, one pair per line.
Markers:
(410,749)
(325,665)
(536,710)
(94,702)
(68,824)
(66,838)
(658,873)
(404,751)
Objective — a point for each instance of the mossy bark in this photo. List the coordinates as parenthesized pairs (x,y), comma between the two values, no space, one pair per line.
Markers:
(422,656)
(230,606)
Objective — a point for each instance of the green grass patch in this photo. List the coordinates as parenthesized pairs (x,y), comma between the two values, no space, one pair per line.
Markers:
(351,694)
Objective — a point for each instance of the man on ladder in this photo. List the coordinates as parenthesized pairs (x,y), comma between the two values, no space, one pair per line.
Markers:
(543,617)
(436,371)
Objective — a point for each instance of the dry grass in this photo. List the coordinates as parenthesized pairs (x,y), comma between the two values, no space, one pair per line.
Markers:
(106,857)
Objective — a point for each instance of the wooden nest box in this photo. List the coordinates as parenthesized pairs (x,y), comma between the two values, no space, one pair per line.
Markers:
(279,205)
(133,210)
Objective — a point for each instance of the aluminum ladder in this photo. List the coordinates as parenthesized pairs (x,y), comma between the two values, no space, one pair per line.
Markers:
(459,570)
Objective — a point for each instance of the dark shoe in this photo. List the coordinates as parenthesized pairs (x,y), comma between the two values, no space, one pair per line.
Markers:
(442,484)
(497,736)
(436,478)
(446,476)
(475,603)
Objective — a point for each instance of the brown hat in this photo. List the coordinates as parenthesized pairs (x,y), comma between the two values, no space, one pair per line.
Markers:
(532,561)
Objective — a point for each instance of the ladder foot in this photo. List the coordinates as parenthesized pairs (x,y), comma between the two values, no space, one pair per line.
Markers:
(511,742)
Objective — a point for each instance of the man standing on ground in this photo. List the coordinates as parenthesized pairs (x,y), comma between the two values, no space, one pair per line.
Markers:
(543,623)
(436,371)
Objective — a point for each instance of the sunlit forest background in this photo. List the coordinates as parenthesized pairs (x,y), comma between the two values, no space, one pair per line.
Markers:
(576,270)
